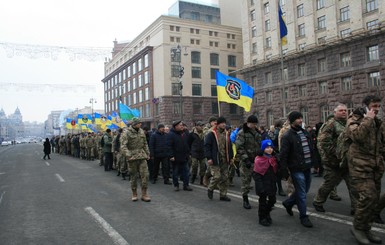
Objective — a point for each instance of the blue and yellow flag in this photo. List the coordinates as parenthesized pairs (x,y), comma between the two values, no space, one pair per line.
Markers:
(115,119)
(235,91)
(71,124)
(282,27)
(84,119)
(126,113)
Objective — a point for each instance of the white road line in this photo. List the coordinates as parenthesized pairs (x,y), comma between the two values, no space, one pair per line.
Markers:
(60,178)
(2,173)
(47,163)
(115,236)
(1,197)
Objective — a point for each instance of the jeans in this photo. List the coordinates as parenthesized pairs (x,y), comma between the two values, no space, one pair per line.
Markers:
(302,181)
(180,168)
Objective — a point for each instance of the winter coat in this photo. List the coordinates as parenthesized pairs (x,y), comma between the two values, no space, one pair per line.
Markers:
(159,147)
(211,147)
(265,175)
(365,155)
(196,144)
(178,143)
(133,144)
(291,153)
(107,143)
(248,143)
(47,147)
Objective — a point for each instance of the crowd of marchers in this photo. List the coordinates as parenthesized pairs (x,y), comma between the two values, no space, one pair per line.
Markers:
(349,147)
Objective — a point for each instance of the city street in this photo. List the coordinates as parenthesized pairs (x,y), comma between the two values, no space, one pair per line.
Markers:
(71,201)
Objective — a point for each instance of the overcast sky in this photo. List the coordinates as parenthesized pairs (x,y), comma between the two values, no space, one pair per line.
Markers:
(36,85)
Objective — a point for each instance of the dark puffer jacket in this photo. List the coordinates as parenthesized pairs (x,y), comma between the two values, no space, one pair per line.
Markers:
(178,143)
(196,144)
(159,146)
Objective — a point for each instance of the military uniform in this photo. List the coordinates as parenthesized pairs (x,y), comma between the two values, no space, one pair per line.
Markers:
(333,173)
(90,144)
(134,146)
(82,143)
(100,149)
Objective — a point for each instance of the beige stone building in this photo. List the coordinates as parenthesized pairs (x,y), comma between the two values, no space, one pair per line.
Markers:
(145,72)
(334,54)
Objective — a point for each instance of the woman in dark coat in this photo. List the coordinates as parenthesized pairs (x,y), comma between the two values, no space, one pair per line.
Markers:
(47,148)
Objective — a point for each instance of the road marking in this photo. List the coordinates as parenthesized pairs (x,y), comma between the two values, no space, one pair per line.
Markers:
(60,178)
(342,218)
(1,197)
(47,163)
(115,236)
(2,173)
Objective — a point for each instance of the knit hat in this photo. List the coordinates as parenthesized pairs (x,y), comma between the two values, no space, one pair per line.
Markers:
(294,115)
(252,119)
(221,120)
(212,119)
(174,123)
(160,126)
(135,121)
(266,143)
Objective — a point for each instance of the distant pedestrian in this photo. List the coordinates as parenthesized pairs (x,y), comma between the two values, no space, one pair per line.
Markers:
(47,148)
(107,150)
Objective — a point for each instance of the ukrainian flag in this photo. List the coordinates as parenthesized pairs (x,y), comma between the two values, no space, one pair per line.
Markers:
(70,124)
(97,117)
(282,27)
(235,91)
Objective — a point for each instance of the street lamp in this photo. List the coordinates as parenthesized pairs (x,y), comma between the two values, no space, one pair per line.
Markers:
(176,57)
(92,101)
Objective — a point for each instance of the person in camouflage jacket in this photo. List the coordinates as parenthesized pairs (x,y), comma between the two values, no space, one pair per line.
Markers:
(326,144)
(366,165)
(134,146)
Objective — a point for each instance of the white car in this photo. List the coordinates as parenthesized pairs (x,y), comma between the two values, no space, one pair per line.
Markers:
(5,143)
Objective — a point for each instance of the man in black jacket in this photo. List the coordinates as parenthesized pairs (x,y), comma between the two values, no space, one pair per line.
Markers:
(296,155)
(160,153)
(180,151)
(196,141)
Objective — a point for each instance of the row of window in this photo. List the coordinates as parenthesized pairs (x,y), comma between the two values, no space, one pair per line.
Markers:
(197,32)
(197,108)
(132,98)
(132,83)
(198,42)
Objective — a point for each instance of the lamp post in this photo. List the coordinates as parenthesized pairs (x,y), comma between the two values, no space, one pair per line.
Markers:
(92,101)
(176,57)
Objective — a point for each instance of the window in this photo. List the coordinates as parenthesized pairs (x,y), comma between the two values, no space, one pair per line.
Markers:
(146,77)
(134,68)
(209,18)
(252,15)
(197,108)
(322,65)
(254,81)
(322,22)
(214,108)
(176,108)
(324,113)
(147,93)
(301,70)
(191,41)
(175,55)
(254,48)
(323,87)
(134,83)
(213,73)
(344,13)
(285,94)
(252,2)
(177,28)
(284,74)
(345,33)
(128,86)
(197,90)
(345,59)
(129,99)
(146,61)
(373,53)
(171,28)
(233,109)
(129,71)
(232,61)
(214,59)
(195,72)
(299,10)
(301,30)
(195,15)
(371,5)
(269,96)
(268,42)
(350,107)
(254,31)
(174,70)
(268,77)
(374,79)
(302,90)
(214,90)
(320,4)
(305,115)
(346,83)
(175,87)
(140,81)
(270,118)
(140,64)
(372,24)
(266,8)
(195,57)
(134,98)
(140,95)
(282,2)
(267,25)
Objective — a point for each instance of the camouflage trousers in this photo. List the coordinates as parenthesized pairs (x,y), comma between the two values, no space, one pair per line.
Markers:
(246,176)
(115,161)
(198,163)
(219,178)
(380,205)
(101,163)
(121,163)
(90,153)
(332,178)
(366,192)
(138,168)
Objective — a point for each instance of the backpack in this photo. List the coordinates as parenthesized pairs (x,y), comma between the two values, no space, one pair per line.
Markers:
(342,148)
(102,141)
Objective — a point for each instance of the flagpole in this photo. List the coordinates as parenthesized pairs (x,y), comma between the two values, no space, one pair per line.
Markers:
(219,108)
(282,71)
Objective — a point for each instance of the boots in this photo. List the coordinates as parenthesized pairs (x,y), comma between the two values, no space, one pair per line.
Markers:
(264,221)
(360,236)
(134,195)
(118,173)
(145,197)
(246,203)
(193,177)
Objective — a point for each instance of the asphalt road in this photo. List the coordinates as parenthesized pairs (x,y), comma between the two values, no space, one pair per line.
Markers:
(71,201)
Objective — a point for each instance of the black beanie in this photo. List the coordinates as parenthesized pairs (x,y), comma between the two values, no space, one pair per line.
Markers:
(294,115)
(221,120)
(252,119)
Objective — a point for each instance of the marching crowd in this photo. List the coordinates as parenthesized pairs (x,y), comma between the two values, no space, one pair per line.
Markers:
(345,147)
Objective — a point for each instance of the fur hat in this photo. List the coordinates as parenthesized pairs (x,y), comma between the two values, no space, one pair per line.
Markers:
(252,119)
(135,121)
(266,143)
(294,115)
(221,120)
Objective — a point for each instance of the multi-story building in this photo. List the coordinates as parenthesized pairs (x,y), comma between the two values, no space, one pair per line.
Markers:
(334,54)
(12,126)
(145,73)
